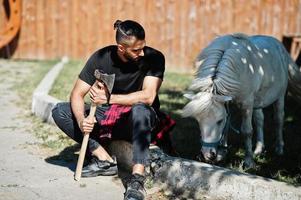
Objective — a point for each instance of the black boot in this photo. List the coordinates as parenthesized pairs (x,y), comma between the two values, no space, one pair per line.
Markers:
(100,168)
(135,188)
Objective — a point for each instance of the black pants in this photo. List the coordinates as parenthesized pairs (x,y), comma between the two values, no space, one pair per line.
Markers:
(136,127)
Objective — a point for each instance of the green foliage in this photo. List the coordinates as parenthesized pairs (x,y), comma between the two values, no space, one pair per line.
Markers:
(66,79)
(26,85)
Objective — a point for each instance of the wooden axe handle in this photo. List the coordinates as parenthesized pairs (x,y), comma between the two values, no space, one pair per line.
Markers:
(82,153)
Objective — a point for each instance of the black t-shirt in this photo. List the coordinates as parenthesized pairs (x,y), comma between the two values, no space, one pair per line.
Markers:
(129,75)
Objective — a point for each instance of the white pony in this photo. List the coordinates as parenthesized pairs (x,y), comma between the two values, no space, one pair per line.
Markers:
(250,73)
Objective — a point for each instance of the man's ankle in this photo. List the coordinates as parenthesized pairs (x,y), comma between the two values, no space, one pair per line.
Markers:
(102,154)
(102,158)
(138,169)
(135,187)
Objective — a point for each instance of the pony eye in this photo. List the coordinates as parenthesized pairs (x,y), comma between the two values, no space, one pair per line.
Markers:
(219,122)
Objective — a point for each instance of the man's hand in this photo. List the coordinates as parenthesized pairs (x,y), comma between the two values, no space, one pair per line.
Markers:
(87,124)
(98,93)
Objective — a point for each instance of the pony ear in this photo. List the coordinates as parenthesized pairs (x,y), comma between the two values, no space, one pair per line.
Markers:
(189,95)
(222,99)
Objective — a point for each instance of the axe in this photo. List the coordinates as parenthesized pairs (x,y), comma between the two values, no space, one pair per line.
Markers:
(108,81)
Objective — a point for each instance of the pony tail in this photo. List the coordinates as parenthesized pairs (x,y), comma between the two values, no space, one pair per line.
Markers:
(117,24)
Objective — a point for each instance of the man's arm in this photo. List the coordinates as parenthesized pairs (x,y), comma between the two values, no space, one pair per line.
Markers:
(147,95)
(78,93)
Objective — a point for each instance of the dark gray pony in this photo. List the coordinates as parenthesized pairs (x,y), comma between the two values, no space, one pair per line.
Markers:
(252,73)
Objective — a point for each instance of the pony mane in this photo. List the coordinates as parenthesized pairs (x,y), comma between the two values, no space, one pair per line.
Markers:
(218,66)
(217,73)
(202,85)
(201,103)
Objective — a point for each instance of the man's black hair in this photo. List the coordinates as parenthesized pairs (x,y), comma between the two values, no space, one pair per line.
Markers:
(127,29)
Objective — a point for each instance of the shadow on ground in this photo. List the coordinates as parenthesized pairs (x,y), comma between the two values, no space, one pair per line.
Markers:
(66,158)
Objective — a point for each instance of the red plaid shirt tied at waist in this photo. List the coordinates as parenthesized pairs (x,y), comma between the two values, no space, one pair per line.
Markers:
(116,112)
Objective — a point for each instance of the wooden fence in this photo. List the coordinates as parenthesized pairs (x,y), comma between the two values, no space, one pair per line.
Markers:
(179,28)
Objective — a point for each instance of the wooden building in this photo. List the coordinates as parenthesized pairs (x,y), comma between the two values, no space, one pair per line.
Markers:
(179,28)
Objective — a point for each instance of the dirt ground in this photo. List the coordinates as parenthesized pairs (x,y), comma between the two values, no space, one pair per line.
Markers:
(24,172)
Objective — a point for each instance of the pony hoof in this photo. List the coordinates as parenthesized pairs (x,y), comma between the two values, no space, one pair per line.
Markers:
(221,154)
(259,149)
(249,164)
(279,151)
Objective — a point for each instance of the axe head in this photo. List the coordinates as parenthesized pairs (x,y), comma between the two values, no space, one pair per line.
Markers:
(107,79)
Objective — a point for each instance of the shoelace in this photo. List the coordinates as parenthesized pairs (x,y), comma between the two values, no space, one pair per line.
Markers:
(100,163)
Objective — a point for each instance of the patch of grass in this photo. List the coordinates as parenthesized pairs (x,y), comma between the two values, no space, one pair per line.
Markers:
(50,136)
(149,183)
(66,79)
(284,176)
(25,85)
(160,195)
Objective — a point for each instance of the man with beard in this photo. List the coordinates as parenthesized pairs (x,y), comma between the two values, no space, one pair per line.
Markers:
(139,71)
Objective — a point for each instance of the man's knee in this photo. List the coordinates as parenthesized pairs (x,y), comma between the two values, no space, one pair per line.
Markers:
(61,111)
(63,117)
(143,113)
(142,110)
